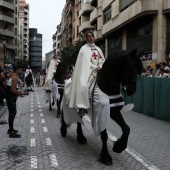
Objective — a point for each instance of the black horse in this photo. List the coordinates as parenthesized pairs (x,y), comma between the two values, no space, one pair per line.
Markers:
(29,81)
(61,74)
(121,68)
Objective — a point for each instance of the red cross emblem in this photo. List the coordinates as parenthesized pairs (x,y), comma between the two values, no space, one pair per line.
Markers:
(94,56)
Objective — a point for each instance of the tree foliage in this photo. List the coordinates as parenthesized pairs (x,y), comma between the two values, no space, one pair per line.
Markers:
(69,54)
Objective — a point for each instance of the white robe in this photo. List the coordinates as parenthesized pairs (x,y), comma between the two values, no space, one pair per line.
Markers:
(81,77)
(50,73)
(77,93)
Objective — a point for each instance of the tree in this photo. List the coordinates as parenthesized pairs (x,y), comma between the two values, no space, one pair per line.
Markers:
(69,54)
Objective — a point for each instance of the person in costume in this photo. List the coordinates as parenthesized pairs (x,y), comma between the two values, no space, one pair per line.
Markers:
(28,70)
(49,76)
(89,61)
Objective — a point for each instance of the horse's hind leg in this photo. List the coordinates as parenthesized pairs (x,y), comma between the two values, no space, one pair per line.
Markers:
(80,136)
(121,143)
(53,102)
(63,129)
(50,108)
(105,157)
(58,108)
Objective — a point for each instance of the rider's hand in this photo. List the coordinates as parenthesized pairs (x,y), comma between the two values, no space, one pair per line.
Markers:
(21,95)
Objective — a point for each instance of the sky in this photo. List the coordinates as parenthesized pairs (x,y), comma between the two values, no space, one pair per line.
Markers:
(45,15)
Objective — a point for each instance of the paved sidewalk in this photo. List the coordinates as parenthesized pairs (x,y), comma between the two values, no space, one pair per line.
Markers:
(42,147)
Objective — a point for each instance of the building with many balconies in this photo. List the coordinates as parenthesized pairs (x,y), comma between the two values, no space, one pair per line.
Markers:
(8,30)
(23,30)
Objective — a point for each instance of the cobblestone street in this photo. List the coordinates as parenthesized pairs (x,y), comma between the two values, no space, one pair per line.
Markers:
(42,147)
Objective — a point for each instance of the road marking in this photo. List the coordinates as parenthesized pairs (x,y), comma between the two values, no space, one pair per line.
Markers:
(32,115)
(32,121)
(31,106)
(31,103)
(32,130)
(48,141)
(33,142)
(130,151)
(53,160)
(41,114)
(45,129)
(40,110)
(32,110)
(39,105)
(34,162)
(42,121)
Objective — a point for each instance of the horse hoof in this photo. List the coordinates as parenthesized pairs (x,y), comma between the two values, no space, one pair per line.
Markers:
(106,159)
(50,109)
(63,132)
(52,103)
(119,146)
(81,139)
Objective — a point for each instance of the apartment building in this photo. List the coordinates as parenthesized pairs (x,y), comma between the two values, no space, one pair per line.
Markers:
(8,31)
(133,24)
(23,30)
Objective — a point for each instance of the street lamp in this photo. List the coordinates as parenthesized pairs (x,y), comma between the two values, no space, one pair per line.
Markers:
(4,43)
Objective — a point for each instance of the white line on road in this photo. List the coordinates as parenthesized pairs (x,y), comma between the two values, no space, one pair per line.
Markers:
(32,121)
(48,141)
(41,115)
(131,152)
(34,162)
(45,129)
(32,115)
(32,130)
(42,121)
(54,162)
(39,105)
(33,142)
(32,110)
(40,110)
(31,106)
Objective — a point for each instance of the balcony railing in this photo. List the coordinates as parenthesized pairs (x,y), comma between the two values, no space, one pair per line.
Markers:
(7,32)
(86,8)
(86,26)
(6,18)
(7,5)
(93,16)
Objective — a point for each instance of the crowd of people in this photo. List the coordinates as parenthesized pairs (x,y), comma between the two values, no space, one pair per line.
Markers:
(161,69)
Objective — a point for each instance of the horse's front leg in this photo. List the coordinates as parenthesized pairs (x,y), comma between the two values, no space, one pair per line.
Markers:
(80,136)
(53,101)
(50,108)
(63,129)
(105,157)
(121,143)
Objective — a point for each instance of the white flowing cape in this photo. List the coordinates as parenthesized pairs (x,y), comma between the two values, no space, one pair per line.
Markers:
(78,97)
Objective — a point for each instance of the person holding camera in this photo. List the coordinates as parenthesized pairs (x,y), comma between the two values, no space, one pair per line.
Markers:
(13,93)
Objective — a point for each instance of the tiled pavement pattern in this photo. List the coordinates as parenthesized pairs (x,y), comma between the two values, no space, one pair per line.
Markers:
(149,136)
(42,147)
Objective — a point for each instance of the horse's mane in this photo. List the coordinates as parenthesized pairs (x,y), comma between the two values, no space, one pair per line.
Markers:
(60,72)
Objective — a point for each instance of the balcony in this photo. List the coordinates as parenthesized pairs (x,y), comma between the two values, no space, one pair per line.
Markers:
(85,26)
(7,32)
(10,46)
(106,3)
(166,5)
(94,3)
(25,23)
(93,16)
(136,10)
(6,18)
(7,5)
(86,9)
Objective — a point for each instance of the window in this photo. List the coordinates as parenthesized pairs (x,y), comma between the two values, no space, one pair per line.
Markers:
(107,15)
(140,38)
(125,4)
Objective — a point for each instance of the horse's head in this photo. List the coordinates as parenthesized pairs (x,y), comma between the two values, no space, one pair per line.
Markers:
(128,75)
(121,67)
(61,72)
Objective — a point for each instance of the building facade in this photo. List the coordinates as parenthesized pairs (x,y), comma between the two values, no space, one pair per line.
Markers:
(23,30)
(8,31)
(35,49)
(48,58)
